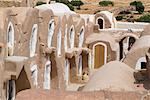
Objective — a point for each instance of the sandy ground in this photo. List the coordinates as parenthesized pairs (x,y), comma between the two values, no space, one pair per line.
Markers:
(92,6)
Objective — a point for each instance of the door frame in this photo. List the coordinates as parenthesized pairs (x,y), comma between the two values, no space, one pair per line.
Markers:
(105,52)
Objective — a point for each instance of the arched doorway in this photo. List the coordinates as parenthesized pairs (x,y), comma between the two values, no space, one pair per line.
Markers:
(67,67)
(80,66)
(72,37)
(65,38)
(34,74)
(10,39)
(100,54)
(125,45)
(47,78)
(81,37)
(131,42)
(51,28)
(33,40)
(59,35)
(11,90)
(100,22)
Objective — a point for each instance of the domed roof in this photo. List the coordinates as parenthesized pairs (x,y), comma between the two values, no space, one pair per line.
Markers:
(57,8)
(113,76)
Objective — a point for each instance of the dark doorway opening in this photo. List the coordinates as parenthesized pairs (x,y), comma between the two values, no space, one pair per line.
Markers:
(100,23)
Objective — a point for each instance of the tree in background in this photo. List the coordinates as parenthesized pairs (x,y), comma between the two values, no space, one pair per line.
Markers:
(106,3)
(77,3)
(139,6)
(144,18)
(40,3)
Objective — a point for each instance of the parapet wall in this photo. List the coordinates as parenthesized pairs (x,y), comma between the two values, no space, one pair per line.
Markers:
(129,25)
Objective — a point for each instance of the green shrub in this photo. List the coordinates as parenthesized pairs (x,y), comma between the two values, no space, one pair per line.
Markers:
(70,6)
(106,3)
(125,12)
(144,18)
(119,17)
(139,6)
(40,3)
(77,3)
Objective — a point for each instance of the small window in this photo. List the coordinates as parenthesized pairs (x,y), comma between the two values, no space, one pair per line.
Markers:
(143,65)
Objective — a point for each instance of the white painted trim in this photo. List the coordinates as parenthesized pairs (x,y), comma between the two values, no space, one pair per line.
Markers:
(51,28)
(81,37)
(59,39)
(33,40)
(103,21)
(67,68)
(72,36)
(34,76)
(10,38)
(47,75)
(65,38)
(105,54)
(14,90)
(80,67)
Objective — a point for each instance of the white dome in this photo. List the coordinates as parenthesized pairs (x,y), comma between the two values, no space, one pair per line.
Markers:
(57,8)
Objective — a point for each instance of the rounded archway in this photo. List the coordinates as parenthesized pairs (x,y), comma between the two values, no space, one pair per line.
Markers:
(65,38)
(67,66)
(51,28)
(72,36)
(100,22)
(33,40)
(81,37)
(47,78)
(99,54)
(11,90)
(59,36)
(34,74)
(125,45)
(10,39)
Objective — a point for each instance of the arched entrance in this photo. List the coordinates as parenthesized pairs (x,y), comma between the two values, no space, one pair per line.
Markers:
(72,36)
(33,40)
(131,42)
(81,37)
(50,33)
(34,74)
(47,80)
(67,67)
(125,45)
(100,54)
(10,39)
(59,36)
(11,90)
(65,38)
(100,22)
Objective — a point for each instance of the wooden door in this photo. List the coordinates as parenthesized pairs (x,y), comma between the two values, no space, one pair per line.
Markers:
(99,56)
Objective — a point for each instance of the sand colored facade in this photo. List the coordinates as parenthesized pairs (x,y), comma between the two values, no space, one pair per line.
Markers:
(41,48)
